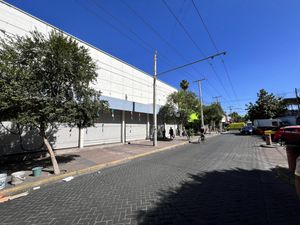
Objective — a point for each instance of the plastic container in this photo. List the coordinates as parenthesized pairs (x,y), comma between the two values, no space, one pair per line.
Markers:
(3,177)
(17,177)
(37,171)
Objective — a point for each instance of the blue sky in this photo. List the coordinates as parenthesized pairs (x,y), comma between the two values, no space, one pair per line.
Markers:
(261,38)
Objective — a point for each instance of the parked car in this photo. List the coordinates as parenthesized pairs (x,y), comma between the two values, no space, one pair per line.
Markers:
(278,134)
(246,130)
(291,135)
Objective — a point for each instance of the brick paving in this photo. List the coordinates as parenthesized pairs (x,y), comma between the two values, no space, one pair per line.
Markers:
(227,180)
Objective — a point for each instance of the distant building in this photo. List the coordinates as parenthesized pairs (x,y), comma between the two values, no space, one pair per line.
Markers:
(128,90)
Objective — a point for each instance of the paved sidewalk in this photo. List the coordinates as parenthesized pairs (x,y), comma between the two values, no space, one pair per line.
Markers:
(76,161)
(271,157)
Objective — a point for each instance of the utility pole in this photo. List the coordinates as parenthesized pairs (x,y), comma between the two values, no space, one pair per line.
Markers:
(154,103)
(168,71)
(230,108)
(217,98)
(298,100)
(201,101)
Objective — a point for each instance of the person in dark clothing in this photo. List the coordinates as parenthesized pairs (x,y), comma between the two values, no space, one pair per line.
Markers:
(164,133)
(171,132)
(202,136)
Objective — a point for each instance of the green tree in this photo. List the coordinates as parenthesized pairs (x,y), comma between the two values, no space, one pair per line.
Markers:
(236,117)
(167,114)
(184,84)
(213,113)
(186,103)
(45,80)
(266,106)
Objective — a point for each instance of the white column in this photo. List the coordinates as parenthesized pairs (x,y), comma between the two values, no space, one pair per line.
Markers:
(123,128)
(148,127)
(81,137)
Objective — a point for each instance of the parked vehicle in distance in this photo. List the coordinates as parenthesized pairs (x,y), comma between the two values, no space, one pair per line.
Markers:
(266,123)
(246,130)
(235,126)
(291,135)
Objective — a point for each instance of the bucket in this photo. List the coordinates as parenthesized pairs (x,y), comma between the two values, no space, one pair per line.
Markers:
(3,177)
(17,177)
(37,171)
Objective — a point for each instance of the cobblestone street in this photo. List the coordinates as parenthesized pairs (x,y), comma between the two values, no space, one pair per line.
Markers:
(223,181)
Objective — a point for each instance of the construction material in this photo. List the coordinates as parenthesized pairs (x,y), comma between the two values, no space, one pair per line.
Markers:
(17,177)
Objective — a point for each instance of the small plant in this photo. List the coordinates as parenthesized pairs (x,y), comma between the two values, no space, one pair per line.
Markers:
(190,132)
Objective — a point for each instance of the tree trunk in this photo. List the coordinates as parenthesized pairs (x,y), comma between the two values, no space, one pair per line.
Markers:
(49,148)
(52,156)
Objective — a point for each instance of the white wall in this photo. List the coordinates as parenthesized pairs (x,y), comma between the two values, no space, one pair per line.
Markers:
(115,78)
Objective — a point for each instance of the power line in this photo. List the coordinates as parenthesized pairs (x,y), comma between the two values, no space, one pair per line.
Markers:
(189,64)
(14,26)
(146,45)
(215,46)
(113,26)
(193,41)
(157,33)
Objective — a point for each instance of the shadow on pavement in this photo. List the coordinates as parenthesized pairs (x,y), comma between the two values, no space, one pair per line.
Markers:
(28,164)
(234,196)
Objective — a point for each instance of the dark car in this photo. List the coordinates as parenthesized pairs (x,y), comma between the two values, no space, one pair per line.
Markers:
(291,135)
(246,130)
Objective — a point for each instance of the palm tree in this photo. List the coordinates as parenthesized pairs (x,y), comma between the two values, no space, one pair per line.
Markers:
(184,84)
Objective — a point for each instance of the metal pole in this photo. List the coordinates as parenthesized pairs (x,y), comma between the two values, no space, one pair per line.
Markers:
(217,98)
(154,103)
(201,101)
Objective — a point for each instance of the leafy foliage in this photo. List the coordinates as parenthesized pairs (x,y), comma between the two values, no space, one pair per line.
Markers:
(213,112)
(236,117)
(184,84)
(46,80)
(266,106)
(167,114)
(186,103)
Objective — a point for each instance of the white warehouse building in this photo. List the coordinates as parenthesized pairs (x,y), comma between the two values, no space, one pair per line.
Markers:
(128,90)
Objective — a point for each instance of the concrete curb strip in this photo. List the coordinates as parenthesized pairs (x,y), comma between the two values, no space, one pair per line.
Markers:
(87,170)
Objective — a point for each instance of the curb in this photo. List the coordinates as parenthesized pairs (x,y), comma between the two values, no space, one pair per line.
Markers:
(87,170)
(268,146)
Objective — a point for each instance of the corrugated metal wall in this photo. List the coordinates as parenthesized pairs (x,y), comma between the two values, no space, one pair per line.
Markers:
(106,130)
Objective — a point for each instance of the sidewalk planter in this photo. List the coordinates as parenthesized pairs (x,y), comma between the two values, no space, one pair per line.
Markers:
(3,177)
(17,177)
(37,171)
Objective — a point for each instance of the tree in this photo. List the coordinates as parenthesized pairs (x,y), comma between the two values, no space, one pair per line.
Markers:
(184,84)
(236,117)
(186,103)
(45,80)
(213,113)
(167,114)
(266,106)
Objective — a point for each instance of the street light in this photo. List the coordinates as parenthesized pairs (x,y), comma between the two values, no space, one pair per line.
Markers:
(167,71)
